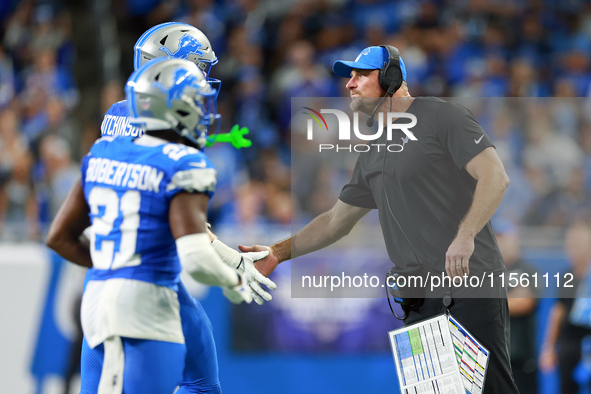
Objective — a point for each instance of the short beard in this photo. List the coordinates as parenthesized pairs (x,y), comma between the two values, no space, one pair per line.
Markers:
(364,104)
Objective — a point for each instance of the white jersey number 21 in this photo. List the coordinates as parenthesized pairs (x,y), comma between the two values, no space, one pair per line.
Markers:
(126,207)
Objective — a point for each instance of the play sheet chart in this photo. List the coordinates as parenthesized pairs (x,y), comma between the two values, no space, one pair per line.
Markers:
(438,355)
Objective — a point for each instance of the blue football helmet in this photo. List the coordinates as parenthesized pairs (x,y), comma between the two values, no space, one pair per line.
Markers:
(175,40)
(179,41)
(166,94)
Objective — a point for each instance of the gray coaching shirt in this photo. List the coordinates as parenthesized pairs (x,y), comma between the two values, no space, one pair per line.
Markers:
(425,188)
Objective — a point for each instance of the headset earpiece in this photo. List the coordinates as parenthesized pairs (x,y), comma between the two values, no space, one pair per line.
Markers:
(390,76)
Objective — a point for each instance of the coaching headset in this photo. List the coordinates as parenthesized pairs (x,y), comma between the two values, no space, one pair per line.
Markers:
(390,75)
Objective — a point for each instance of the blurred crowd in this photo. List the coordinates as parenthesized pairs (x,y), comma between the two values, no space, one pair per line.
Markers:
(59,73)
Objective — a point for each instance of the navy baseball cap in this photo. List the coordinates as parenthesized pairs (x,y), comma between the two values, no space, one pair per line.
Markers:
(371,58)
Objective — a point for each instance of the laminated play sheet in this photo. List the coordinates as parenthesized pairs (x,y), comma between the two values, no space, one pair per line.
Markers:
(438,355)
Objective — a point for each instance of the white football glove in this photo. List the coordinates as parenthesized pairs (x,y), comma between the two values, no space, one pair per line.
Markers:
(254,278)
(240,292)
(244,264)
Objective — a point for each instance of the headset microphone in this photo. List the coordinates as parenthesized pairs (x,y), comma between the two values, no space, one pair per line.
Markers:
(370,121)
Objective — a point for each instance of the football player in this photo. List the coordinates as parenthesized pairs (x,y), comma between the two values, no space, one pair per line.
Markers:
(201,369)
(146,198)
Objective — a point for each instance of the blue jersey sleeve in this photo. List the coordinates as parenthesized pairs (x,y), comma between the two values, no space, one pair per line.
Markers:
(194,172)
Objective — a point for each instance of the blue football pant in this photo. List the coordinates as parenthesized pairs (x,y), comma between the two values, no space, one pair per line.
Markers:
(135,366)
(201,364)
(201,374)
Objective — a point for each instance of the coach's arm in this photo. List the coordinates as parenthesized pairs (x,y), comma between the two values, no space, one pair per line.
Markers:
(324,230)
(67,227)
(491,182)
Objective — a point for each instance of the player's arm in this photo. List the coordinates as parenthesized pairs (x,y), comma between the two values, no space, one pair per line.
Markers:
(492,181)
(187,217)
(548,357)
(324,230)
(67,227)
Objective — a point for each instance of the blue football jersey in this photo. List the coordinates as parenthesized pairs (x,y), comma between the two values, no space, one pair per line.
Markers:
(128,184)
(116,122)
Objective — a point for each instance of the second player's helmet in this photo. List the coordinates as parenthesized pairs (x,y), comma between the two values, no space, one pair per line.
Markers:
(166,94)
(176,40)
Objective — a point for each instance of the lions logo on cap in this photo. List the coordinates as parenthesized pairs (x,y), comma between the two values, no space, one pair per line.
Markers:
(366,51)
